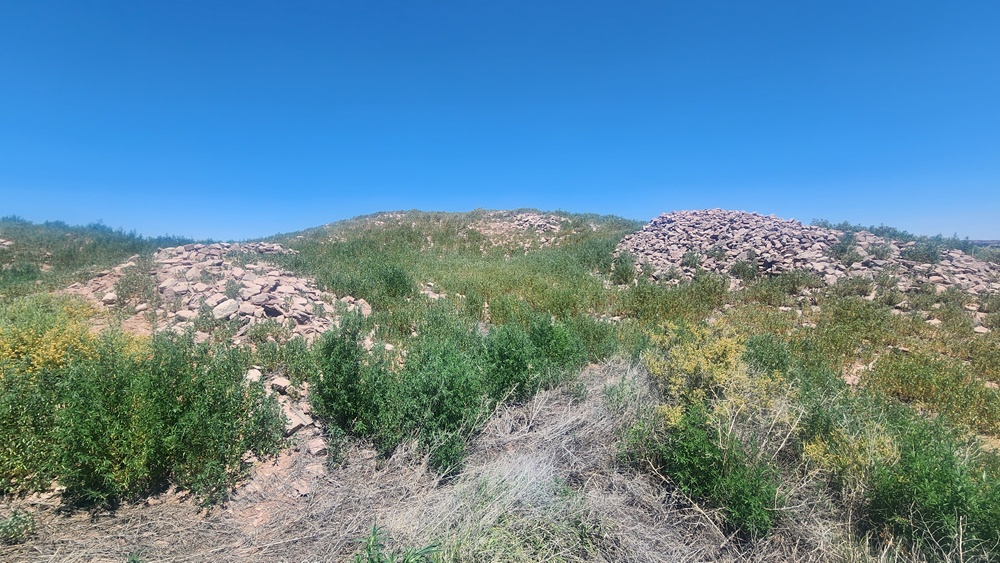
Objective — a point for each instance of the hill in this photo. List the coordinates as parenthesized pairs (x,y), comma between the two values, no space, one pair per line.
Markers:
(500,385)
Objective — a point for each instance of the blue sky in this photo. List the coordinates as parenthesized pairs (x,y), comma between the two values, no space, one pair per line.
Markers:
(243,119)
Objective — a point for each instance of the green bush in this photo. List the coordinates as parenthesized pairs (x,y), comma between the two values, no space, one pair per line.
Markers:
(339,391)
(941,494)
(881,251)
(508,364)
(186,415)
(744,270)
(925,251)
(689,302)
(438,396)
(623,270)
(710,467)
(767,353)
(17,527)
(852,286)
(845,249)
(691,259)
(126,422)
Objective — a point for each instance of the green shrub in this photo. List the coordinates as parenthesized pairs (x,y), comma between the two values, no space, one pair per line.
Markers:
(185,414)
(339,392)
(852,286)
(942,494)
(710,467)
(508,364)
(927,252)
(623,269)
(881,251)
(939,385)
(745,270)
(559,349)
(691,259)
(845,249)
(17,527)
(659,304)
(767,353)
(716,253)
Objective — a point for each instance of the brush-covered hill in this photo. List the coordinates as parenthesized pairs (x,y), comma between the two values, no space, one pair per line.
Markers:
(500,385)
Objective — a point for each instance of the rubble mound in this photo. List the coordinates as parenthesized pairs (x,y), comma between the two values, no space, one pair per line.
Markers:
(522,229)
(675,245)
(195,281)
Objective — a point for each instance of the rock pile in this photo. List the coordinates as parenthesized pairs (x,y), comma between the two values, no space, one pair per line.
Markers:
(199,280)
(526,229)
(676,244)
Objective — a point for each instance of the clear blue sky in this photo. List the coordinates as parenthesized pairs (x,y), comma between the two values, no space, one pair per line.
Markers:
(243,119)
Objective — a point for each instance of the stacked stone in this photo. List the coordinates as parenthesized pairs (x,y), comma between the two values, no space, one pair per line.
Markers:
(195,275)
(721,238)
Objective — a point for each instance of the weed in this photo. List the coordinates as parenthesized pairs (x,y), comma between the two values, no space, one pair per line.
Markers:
(745,270)
(623,269)
(17,527)
(716,253)
(845,249)
(927,252)
(881,251)
(232,290)
(373,550)
(690,452)
(691,259)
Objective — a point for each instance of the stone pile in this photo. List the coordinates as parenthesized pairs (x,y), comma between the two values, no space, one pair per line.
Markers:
(527,229)
(193,279)
(721,238)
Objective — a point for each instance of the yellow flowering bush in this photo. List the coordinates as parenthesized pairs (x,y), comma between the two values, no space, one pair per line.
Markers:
(691,362)
(44,332)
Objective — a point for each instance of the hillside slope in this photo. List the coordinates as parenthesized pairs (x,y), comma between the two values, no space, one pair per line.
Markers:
(513,385)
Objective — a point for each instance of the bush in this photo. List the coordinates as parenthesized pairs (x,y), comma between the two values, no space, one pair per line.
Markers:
(689,302)
(130,418)
(845,249)
(852,286)
(339,393)
(767,353)
(508,368)
(941,494)
(17,527)
(691,259)
(926,252)
(623,270)
(711,467)
(185,414)
(881,251)
(745,270)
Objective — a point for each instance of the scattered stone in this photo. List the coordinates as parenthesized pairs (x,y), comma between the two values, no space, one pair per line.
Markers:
(109,298)
(281,384)
(316,447)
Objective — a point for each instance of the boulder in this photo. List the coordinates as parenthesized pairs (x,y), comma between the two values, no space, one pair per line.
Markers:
(225,309)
